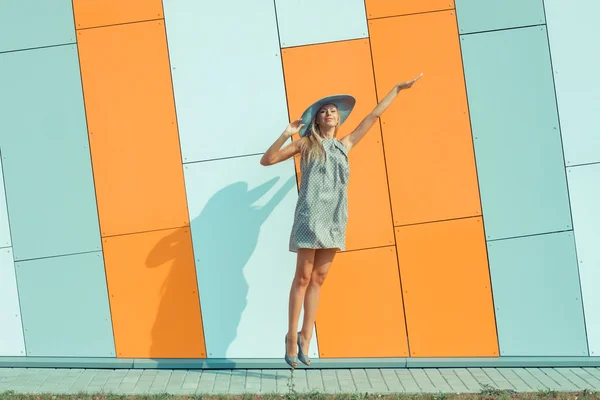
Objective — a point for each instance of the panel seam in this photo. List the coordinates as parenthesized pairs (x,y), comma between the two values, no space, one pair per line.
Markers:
(91,157)
(570,204)
(38,47)
(120,23)
(529,235)
(477,177)
(511,28)
(12,251)
(387,180)
(409,14)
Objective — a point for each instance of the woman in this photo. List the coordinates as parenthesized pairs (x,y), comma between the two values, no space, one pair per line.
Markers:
(319,228)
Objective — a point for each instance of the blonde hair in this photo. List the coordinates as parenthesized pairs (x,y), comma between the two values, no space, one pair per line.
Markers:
(312,147)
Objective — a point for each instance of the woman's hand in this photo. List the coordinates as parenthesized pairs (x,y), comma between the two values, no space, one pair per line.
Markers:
(408,84)
(293,127)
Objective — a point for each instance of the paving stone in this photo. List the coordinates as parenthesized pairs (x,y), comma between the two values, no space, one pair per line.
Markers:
(514,380)
(568,374)
(531,381)
(376,380)
(454,381)
(315,380)
(586,376)
(438,380)
(498,380)
(425,384)
(468,379)
(407,380)
(543,378)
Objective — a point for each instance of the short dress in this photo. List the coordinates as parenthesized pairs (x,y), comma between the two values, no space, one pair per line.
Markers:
(321,212)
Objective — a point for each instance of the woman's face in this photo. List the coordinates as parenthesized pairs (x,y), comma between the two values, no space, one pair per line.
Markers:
(327,116)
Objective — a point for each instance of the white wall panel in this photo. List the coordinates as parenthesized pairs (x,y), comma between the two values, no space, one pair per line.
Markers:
(241,214)
(585,205)
(573,31)
(303,22)
(227,76)
(4,225)
(11,331)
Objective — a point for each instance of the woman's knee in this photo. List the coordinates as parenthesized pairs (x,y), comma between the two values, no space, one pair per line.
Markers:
(318,278)
(302,280)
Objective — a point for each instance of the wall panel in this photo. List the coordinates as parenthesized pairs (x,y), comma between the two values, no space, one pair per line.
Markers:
(585,202)
(229,90)
(427,137)
(12,343)
(4,225)
(391,8)
(25,24)
(369,220)
(537,296)
(91,13)
(516,133)
(321,21)
(64,303)
(45,154)
(446,282)
(573,32)
(488,15)
(132,128)
(360,311)
(153,295)
(241,216)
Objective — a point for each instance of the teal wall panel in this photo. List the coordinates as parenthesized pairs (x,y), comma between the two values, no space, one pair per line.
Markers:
(516,134)
(487,15)
(336,20)
(4,225)
(64,303)
(25,24)
(574,32)
(241,215)
(11,334)
(232,105)
(45,154)
(584,188)
(537,296)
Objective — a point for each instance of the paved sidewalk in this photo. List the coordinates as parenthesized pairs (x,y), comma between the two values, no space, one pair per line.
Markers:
(414,380)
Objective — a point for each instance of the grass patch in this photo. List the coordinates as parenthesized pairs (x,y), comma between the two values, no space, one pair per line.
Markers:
(487,393)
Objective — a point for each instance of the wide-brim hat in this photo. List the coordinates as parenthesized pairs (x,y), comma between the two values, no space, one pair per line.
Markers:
(344,103)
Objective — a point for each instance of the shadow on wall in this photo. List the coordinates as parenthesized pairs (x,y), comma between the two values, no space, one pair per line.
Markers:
(224,236)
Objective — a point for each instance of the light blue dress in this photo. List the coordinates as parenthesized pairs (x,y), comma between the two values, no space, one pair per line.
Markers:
(322,209)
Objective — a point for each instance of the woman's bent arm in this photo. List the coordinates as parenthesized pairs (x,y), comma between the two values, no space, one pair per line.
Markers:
(275,153)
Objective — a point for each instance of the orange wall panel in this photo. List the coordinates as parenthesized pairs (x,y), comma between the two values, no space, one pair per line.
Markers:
(360,312)
(447,292)
(153,295)
(90,13)
(132,128)
(348,70)
(389,8)
(427,134)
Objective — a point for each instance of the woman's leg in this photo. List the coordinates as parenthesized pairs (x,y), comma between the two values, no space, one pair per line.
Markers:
(304,269)
(322,262)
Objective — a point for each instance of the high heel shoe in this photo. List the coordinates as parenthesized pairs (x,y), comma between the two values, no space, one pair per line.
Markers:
(301,356)
(288,359)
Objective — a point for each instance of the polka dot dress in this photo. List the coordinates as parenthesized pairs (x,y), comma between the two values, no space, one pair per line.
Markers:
(322,209)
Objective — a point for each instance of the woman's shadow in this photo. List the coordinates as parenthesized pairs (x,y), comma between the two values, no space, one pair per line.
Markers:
(224,237)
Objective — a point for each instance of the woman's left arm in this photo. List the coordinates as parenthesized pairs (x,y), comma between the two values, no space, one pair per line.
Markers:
(361,130)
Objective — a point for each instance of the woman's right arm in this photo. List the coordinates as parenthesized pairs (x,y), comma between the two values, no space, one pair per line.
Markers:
(275,153)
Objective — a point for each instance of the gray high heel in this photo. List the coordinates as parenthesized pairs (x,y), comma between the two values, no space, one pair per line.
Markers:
(301,356)
(288,359)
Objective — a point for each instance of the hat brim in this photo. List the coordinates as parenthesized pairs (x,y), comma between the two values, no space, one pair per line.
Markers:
(344,103)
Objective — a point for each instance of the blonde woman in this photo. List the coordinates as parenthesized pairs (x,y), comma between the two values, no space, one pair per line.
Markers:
(319,228)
